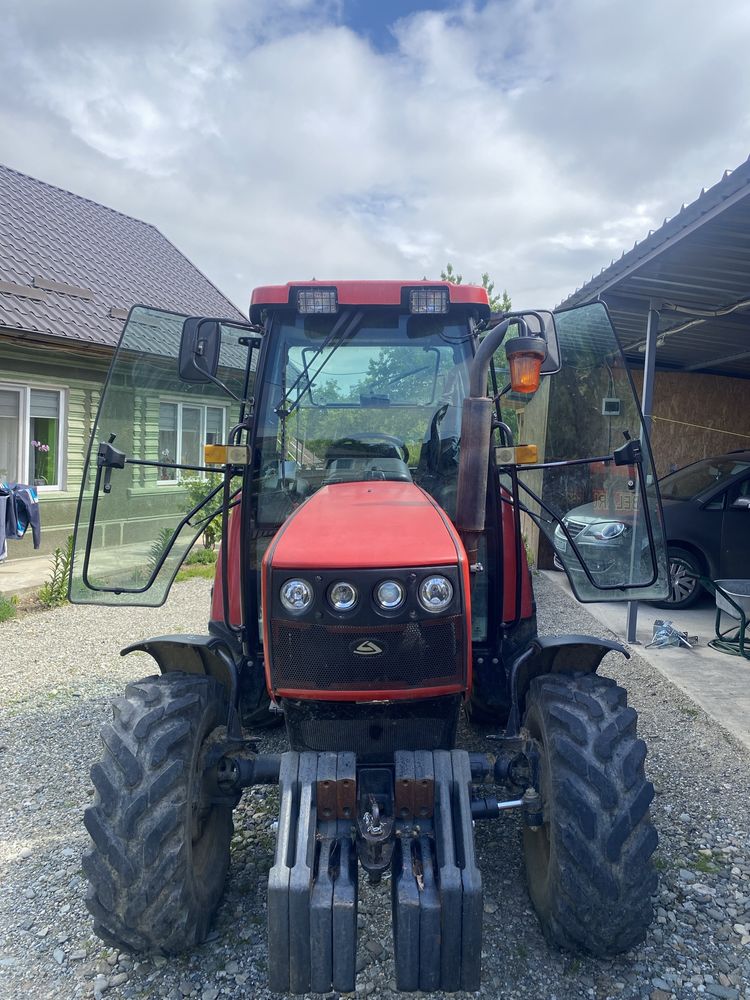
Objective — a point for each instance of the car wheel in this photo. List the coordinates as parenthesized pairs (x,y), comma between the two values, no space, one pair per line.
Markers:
(684,588)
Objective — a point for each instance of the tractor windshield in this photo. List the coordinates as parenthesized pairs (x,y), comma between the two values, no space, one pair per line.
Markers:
(360,396)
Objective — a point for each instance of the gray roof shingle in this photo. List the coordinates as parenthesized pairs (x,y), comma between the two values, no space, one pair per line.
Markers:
(104,258)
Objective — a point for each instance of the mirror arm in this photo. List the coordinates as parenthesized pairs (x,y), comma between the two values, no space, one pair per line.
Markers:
(225,388)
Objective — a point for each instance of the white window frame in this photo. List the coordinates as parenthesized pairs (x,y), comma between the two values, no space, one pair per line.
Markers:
(192,405)
(24,438)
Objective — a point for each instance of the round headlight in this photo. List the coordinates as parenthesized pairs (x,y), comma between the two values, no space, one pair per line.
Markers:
(296,595)
(343,596)
(390,595)
(435,593)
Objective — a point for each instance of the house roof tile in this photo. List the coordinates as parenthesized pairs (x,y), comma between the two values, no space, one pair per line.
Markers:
(51,238)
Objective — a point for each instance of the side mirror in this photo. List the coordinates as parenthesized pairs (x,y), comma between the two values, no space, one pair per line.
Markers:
(541,323)
(199,349)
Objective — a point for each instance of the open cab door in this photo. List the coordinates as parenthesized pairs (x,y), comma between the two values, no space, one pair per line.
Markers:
(147,492)
(592,490)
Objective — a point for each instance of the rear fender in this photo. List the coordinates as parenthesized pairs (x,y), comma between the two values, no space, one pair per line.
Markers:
(554,654)
(194,654)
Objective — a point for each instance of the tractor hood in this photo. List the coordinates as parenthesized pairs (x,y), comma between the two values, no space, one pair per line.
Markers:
(367,525)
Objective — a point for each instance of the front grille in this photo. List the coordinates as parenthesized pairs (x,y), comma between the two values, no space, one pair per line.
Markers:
(372,731)
(574,527)
(375,738)
(415,654)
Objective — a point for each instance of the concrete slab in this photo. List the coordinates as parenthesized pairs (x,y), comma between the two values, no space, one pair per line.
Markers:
(20,576)
(716,681)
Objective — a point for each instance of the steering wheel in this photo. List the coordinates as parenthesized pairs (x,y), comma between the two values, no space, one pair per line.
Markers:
(397,443)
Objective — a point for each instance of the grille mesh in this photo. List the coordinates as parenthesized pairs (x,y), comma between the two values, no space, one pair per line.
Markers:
(381,738)
(311,657)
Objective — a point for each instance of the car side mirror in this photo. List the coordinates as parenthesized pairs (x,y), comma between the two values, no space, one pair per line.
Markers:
(199,349)
(741,503)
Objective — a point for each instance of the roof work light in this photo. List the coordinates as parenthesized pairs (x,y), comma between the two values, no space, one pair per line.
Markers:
(317,300)
(428,300)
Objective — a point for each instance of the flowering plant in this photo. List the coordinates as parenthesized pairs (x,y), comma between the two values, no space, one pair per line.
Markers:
(40,464)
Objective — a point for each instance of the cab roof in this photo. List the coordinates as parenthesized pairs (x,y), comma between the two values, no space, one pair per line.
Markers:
(368,293)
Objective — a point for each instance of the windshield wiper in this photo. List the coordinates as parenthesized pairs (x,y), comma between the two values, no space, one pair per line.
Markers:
(342,329)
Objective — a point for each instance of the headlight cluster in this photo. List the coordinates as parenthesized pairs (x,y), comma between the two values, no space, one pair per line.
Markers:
(435,593)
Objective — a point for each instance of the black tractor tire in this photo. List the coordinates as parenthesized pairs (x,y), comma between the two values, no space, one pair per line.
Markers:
(683,592)
(157,869)
(589,868)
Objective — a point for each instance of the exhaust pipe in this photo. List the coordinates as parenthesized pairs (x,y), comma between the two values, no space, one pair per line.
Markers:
(476,431)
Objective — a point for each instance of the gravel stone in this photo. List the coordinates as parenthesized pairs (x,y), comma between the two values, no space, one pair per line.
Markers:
(698,946)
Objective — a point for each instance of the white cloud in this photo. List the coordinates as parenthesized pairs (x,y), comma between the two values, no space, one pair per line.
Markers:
(534,139)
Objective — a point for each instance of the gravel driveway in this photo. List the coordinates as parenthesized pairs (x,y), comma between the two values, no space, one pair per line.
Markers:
(59,668)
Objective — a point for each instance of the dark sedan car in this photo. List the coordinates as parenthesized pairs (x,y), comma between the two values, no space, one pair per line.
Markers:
(707,522)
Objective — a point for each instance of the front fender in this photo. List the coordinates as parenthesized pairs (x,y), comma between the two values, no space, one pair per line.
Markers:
(192,654)
(554,654)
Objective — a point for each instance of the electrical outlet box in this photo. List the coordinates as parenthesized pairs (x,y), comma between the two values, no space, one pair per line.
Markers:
(610,406)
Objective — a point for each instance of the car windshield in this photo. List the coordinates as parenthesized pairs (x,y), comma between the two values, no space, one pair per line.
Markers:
(684,484)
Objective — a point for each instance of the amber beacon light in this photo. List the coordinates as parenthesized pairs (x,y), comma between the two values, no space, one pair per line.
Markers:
(525,357)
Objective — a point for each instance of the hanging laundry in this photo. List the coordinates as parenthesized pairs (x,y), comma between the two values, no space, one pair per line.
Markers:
(19,508)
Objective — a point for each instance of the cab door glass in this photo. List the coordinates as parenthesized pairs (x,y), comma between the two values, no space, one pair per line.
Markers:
(612,544)
(130,539)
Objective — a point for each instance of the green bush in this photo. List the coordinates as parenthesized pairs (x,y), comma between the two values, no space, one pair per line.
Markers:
(8,607)
(197,490)
(55,591)
(201,557)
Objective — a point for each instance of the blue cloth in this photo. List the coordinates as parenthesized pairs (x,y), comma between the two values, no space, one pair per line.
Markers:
(21,510)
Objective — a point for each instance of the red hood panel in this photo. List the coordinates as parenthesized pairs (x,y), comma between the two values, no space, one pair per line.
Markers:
(366,526)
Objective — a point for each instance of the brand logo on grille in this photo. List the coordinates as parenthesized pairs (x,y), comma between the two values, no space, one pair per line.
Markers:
(367,648)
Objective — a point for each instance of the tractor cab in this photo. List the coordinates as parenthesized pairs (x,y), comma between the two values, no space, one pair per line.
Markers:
(374,461)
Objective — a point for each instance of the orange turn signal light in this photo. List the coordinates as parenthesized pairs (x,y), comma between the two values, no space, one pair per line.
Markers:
(225,454)
(525,358)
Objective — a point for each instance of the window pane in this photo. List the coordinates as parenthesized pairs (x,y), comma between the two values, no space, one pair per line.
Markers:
(45,403)
(9,428)
(191,453)
(214,425)
(44,434)
(167,439)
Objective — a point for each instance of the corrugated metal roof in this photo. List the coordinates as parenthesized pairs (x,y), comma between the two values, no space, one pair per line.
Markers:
(697,262)
(51,234)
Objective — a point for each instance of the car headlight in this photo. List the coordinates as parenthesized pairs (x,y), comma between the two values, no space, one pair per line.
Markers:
(435,593)
(296,595)
(606,530)
(342,595)
(390,595)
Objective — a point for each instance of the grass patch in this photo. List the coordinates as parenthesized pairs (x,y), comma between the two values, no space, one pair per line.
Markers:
(705,865)
(201,557)
(8,607)
(196,570)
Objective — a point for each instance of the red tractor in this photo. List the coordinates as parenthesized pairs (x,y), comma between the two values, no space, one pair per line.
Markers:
(357,443)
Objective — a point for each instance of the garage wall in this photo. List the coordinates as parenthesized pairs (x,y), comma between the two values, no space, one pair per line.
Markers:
(696,416)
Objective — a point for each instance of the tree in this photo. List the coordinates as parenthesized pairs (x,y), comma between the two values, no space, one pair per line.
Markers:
(498,303)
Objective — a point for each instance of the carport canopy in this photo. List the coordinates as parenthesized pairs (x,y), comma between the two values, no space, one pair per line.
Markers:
(680,298)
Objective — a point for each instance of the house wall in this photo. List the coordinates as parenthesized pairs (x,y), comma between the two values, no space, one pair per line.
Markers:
(81,380)
(695,416)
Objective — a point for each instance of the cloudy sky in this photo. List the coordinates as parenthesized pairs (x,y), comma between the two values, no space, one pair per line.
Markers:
(282,139)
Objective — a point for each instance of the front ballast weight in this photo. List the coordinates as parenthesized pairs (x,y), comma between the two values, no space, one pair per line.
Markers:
(416,820)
